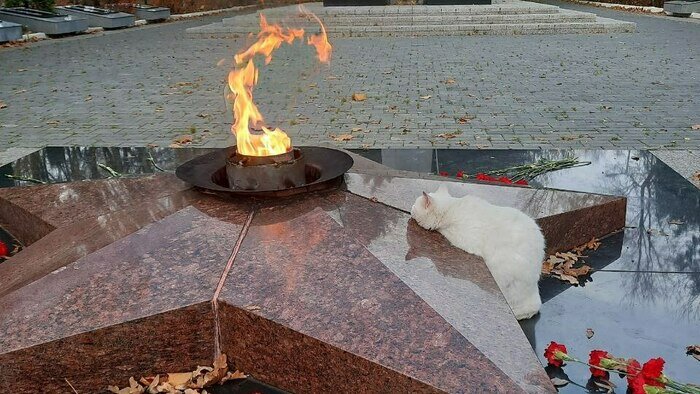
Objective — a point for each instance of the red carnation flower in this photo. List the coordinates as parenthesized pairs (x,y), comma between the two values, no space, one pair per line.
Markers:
(594,359)
(521,182)
(633,370)
(460,174)
(504,179)
(555,354)
(636,384)
(3,249)
(443,173)
(652,371)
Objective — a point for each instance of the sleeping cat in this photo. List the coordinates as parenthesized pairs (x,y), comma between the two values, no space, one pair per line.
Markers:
(509,241)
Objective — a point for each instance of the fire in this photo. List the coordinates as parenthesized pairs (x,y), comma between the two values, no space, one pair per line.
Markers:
(244,77)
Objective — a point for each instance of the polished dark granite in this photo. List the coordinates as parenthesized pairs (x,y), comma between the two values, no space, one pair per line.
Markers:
(336,291)
(429,270)
(174,340)
(567,219)
(457,285)
(170,264)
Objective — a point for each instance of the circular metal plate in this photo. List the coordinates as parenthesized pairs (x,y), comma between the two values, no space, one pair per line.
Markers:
(209,172)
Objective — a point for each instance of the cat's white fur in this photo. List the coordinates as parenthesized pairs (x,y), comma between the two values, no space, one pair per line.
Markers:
(509,241)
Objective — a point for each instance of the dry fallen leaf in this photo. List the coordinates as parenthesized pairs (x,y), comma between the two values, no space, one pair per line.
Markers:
(448,136)
(561,264)
(88,98)
(2,104)
(356,129)
(589,333)
(695,127)
(693,350)
(342,137)
(696,176)
(183,139)
(450,81)
(359,97)
(466,119)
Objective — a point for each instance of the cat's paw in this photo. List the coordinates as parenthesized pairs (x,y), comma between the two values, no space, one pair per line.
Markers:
(525,315)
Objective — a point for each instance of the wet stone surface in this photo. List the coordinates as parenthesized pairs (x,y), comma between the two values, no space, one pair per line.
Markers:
(646,279)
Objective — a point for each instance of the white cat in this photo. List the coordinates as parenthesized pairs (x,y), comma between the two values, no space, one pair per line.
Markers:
(509,241)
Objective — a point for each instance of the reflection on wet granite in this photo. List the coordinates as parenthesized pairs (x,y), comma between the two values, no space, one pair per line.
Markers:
(292,272)
(66,164)
(567,219)
(456,284)
(82,237)
(31,212)
(633,314)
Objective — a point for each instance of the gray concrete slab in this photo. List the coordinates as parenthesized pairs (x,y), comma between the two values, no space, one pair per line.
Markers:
(11,154)
(44,22)
(99,17)
(684,162)
(10,31)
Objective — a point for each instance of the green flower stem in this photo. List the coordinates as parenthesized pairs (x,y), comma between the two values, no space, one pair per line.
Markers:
(529,171)
(25,179)
(112,173)
(680,387)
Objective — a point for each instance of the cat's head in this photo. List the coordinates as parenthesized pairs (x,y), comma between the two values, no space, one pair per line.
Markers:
(429,208)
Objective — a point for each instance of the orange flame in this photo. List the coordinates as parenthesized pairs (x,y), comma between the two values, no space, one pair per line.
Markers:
(242,79)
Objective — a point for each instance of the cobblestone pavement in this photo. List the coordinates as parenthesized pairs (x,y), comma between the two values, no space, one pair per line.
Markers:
(149,85)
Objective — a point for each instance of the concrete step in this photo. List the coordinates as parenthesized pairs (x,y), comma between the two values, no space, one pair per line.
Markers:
(600,25)
(339,21)
(516,17)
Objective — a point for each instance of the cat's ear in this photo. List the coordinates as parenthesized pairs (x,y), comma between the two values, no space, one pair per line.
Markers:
(427,201)
(442,190)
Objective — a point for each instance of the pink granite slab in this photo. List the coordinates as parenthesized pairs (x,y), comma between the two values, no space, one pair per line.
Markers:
(175,340)
(308,275)
(171,264)
(457,285)
(567,219)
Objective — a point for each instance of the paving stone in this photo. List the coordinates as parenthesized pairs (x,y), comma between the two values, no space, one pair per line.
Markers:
(631,86)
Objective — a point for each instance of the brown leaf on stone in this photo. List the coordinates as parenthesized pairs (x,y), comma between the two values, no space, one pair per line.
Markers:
(465,119)
(448,136)
(2,105)
(179,379)
(589,333)
(88,98)
(342,137)
(693,350)
(450,81)
(356,129)
(695,127)
(183,139)
(696,176)
(359,97)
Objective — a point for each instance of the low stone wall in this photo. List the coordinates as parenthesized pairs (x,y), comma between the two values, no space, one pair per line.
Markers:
(185,6)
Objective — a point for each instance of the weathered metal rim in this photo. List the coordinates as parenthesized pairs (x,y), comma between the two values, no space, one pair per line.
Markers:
(202,171)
